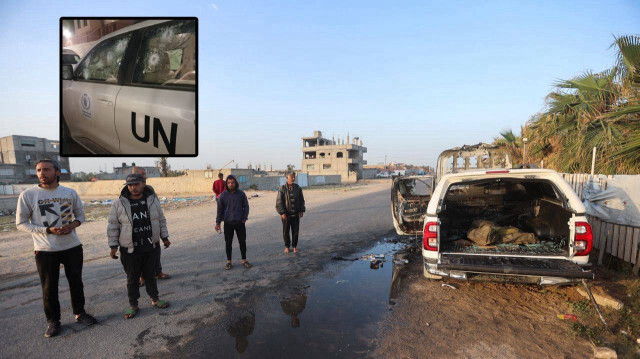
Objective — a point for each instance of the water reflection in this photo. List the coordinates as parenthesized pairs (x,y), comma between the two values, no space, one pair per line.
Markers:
(293,305)
(241,328)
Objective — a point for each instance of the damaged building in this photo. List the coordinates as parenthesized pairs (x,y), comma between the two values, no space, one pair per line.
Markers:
(323,156)
(19,155)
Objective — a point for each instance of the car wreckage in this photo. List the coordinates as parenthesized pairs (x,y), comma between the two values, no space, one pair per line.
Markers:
(481,219)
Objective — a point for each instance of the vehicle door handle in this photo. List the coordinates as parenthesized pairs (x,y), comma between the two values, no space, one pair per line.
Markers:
(106,102)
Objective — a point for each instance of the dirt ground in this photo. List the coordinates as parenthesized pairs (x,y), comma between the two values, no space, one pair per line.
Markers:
(478,320)
(501,320)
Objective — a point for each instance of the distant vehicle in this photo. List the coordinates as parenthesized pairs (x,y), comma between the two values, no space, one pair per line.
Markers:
(383,175)
(70,57)
(134,91)
(479,223)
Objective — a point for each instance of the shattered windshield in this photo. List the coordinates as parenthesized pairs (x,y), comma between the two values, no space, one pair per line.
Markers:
(103,63)
(414,187)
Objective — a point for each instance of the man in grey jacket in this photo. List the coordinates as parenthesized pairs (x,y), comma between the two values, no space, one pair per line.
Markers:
(157,250)
(51,213)
(136,225)
(290,207)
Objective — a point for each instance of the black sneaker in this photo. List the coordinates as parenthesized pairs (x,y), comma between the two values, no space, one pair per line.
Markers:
(86,319)
(53,329)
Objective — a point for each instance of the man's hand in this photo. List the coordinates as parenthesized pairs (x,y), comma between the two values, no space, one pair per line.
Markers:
(284,216)
(113,253)
(301,214)
(166,242)
(67,228)
(57,230)
(218,228)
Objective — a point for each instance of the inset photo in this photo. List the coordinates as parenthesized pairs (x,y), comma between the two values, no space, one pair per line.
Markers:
(129,87)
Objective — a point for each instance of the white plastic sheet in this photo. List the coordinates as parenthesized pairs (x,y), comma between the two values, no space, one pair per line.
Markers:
(618,203)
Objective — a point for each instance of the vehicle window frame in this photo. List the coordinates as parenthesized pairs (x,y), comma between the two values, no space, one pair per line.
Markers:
(100,45)
(559,193)
(134,55)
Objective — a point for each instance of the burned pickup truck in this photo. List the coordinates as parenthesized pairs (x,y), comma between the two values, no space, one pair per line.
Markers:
(500,223)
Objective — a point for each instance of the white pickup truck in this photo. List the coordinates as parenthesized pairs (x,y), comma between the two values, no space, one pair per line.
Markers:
(525,225)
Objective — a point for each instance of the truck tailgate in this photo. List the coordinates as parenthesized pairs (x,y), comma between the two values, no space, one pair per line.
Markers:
(513,266)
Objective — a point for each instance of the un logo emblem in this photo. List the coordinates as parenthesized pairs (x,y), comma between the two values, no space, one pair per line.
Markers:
(86,102)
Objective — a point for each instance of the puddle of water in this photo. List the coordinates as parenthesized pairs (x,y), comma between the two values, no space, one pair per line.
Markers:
(335,314)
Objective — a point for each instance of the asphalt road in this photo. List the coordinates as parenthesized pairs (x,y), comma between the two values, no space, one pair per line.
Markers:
(337,221)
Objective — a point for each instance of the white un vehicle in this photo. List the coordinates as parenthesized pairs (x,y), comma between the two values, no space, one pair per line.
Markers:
(134,92)
(485,220)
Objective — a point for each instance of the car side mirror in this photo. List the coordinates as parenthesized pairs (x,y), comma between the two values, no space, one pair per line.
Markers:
(67,72)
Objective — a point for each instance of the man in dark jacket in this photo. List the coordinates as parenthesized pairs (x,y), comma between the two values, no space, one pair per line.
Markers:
(290,207)
(233,209)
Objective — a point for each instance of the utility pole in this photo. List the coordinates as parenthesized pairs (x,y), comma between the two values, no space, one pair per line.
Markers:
(524,152)
(593,162)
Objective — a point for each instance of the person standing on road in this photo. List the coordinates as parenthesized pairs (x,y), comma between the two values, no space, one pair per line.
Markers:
(136,225)
(51,213)
(157,251)
(218,186)
(290,207)
(233,209)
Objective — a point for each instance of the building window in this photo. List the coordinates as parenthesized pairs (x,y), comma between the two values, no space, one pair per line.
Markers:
(28,143)
(311,167)
(321,154)
(242,179)
(6,171)
(28,157)
(84,22)
(339,155)
(326,166)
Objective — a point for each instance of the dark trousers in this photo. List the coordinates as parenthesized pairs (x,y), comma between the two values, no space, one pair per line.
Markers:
(241,233)
(291,224)
(48,264)
(136,265)
(157,251)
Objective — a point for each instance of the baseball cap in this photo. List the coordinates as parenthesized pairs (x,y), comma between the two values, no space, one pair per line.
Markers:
(134,178)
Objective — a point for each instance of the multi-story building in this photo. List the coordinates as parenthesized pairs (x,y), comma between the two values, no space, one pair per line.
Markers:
(19,155)
(322,156)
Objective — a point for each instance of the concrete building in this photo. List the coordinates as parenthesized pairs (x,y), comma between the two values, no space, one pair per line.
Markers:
(19,155)
(123,171)
(322,156)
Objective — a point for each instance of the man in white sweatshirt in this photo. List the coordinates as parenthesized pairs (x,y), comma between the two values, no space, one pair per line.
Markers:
(51,213)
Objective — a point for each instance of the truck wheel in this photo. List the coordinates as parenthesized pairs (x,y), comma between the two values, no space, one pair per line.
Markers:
(429,275)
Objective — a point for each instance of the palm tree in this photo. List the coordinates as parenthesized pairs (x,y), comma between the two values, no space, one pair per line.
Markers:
(164,166)
(599,110)
(513,143)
